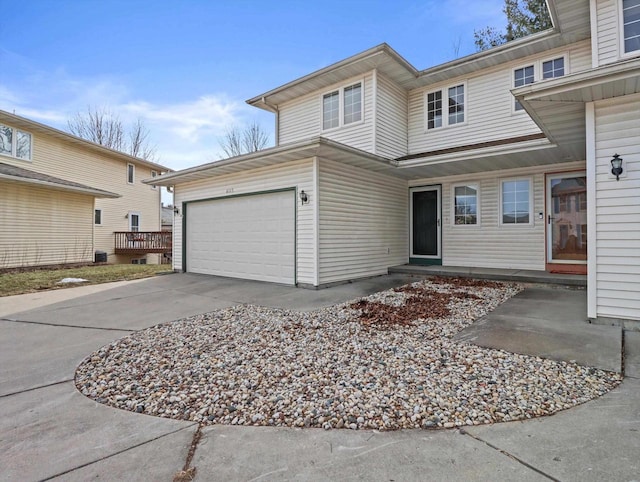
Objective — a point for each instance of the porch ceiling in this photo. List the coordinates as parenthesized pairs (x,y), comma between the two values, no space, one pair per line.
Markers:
(557,106)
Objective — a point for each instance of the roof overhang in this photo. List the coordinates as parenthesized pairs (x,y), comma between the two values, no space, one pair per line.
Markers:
(315,147)
(557,106)
(36,127)
(571,22)
(529,151)
(24,176)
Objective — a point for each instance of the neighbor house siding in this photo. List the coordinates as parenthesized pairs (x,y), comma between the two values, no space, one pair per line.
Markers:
(302,118)
(286,175)
(617,131)
(43,226)
(391,119)
(490,244)
(607,31)
(363,222)
(489,113)
(74,163)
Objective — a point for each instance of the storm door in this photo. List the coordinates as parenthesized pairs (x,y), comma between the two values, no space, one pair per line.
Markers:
(567,218)
(426,229)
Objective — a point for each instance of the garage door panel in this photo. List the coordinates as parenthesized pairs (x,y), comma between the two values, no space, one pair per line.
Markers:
(249,237)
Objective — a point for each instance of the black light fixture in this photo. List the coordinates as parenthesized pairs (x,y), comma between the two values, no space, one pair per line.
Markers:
(616,166)
(303,197)
(176,210)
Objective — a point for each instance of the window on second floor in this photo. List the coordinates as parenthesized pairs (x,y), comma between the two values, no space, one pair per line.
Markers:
(97,216)
(455,109)
(15,143)
(631,25)
(522,76)
(131,172)
(342,106)
(553,68)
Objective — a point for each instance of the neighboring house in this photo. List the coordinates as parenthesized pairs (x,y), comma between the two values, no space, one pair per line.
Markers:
(167,218)
(500,159)
(64,198)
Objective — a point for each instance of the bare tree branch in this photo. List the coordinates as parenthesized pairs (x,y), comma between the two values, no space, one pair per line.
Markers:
(101,126)
(237,142)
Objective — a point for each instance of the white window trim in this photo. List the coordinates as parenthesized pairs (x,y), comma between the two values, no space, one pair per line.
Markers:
(94,217)
(622,54)
(130,217)
(154,173)
(536,69)
(340,91)
(133,181)
(14,144)
(445,107)
(531,210)
(564,56)
(476,185)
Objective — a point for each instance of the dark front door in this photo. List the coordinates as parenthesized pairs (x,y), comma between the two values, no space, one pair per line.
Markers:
(425,225)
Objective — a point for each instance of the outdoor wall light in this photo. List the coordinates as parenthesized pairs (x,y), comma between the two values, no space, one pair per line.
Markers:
(176,210)
(616,166)
(303,197)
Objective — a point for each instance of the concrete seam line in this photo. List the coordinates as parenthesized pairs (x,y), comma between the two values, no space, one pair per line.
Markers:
(114,454)
(188,473)
(504,452)
(622,353)
(36,388)
(67,326)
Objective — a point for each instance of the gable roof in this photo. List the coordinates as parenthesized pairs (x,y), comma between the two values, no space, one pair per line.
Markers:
(33,126)
(571,24)
(19,174)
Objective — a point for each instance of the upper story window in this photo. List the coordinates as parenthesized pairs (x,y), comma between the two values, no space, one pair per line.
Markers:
(523,76)
(342,106)
(456,100)
(97,216)
(553,68)
(15,143)
(131,172)
(631,25)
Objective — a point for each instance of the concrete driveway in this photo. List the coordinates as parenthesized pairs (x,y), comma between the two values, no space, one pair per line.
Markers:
(49,431)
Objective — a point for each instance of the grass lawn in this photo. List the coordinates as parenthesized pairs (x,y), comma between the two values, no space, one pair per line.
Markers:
(31,281)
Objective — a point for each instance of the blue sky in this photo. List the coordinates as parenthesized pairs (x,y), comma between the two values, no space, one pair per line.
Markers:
(186,67)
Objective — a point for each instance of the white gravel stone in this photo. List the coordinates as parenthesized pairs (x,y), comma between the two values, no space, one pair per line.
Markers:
(331,369)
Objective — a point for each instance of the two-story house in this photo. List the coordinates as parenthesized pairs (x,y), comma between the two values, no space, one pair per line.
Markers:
(64,199)
(500,159)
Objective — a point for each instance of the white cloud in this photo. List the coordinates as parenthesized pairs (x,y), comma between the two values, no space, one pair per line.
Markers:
(185,133)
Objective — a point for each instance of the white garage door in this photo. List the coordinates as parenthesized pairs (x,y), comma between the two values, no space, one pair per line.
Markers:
(251,237)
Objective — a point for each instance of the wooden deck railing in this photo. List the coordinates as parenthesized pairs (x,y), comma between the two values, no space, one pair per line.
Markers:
(141,242)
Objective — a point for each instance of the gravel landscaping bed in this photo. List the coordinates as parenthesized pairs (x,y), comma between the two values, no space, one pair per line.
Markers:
(382,362)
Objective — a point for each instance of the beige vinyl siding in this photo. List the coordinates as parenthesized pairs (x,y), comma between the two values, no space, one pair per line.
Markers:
(363,222)
(618,209)
(286,175)
(489,244)
(391,119)
(302,118)
(489,111)
(43,226)
(74,163)
(608,31)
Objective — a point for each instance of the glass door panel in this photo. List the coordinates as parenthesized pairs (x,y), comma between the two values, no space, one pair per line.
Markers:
(425,222)
(567,218)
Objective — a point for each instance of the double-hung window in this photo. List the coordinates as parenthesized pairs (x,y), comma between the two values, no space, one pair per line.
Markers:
(516,202)
(437,116)
(465,204)
(15,143)
(553,68)
(97,216)
(342,106)
(131,172)
(523,76)
(631,25)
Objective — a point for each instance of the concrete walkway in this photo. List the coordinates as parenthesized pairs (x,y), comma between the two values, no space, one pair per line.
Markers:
(49,431)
